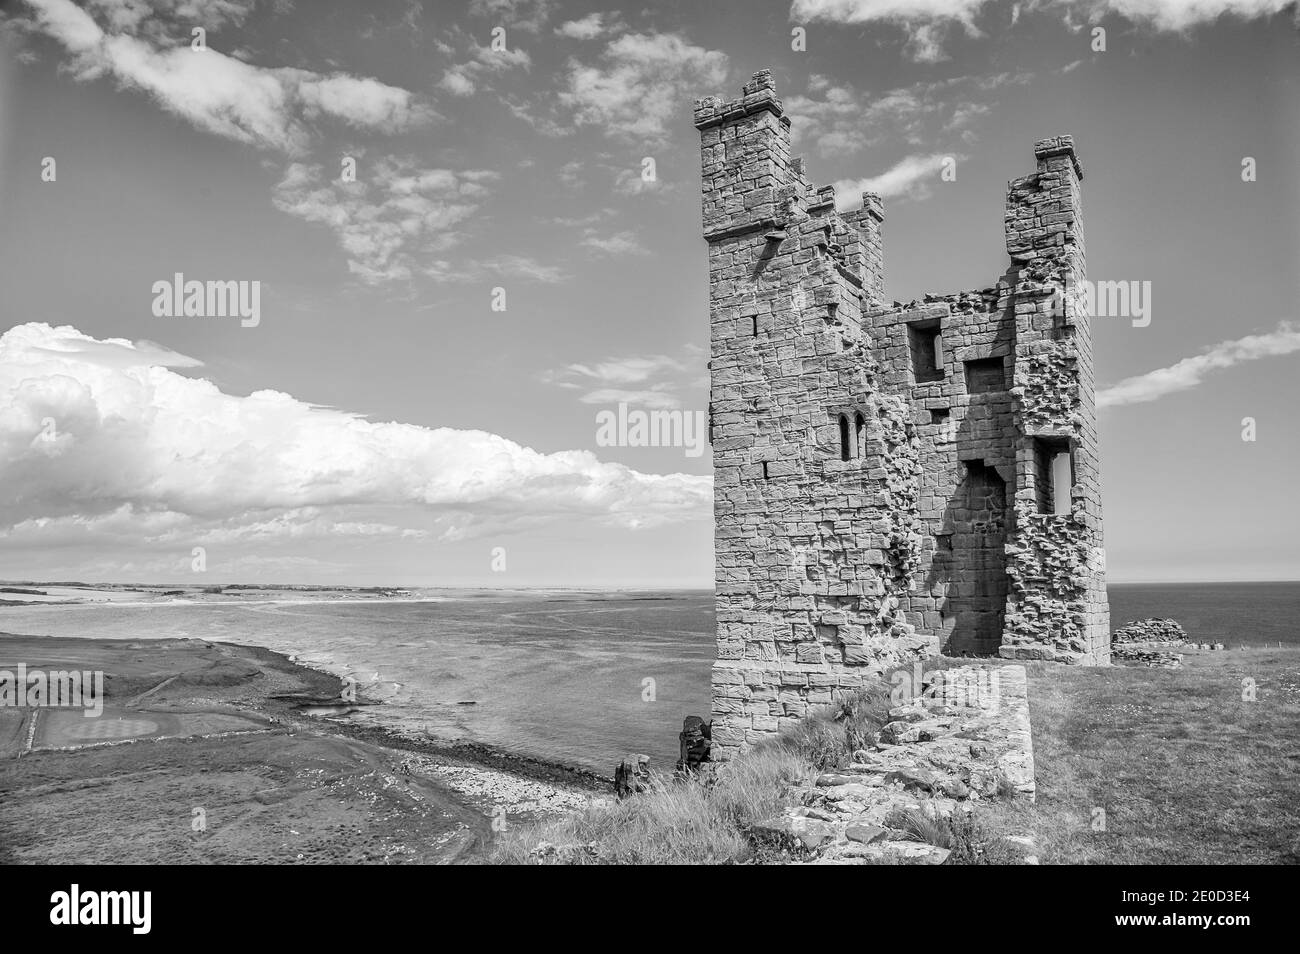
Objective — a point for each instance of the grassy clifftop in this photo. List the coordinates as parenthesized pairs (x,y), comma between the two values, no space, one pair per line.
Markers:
(1134,765)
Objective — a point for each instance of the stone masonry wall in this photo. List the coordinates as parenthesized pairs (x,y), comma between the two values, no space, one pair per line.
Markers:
(1019,580)
(1057,607)
(875,488)
(966,422)
(816,475)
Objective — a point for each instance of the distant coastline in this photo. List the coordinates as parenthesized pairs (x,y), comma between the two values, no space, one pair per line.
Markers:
(65,593)
(71,593)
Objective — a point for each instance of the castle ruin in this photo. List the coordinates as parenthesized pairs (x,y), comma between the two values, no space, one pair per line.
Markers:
(891,482)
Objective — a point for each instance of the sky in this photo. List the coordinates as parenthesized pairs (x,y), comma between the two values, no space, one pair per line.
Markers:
(476,229)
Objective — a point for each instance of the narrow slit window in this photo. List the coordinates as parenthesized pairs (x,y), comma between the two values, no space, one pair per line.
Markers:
(859,427)
(1053,476)
(1062,481)
(844,437)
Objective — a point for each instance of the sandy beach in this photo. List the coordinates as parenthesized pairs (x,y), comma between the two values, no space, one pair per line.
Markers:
(214,753)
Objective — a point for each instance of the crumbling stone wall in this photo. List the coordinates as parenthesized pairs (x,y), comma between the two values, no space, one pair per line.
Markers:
(1057,607)
(966,421)
(871,508)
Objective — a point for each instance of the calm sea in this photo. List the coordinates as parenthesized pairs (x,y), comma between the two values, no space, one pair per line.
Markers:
(581,679)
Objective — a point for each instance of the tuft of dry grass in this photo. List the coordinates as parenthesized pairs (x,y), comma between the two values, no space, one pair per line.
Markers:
(689,821)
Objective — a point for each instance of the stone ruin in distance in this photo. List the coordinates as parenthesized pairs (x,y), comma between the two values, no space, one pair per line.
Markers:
(890,482)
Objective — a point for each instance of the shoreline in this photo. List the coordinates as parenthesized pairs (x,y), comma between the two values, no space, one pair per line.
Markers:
(473,754)
(229,729)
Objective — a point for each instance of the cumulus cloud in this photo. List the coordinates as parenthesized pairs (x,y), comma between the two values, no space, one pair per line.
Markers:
(635,93)
(912,176)
(393,213)
(1190,372)
(219,94)
(134,445)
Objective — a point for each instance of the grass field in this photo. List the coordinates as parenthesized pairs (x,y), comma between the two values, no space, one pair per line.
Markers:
(1185,770)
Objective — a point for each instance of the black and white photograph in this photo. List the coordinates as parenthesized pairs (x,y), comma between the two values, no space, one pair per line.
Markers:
(729,432)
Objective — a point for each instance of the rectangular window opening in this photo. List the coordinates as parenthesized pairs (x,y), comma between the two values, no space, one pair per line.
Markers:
(926,344)
(985,374)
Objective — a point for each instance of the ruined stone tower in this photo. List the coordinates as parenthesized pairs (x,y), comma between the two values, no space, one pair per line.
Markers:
(890,482)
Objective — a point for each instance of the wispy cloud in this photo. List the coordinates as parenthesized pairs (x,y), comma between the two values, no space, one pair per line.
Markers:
(636,90)
(1176,15)
(591,26)
(912,176)
(514,268)
(835,119)
(651,381)
(615,243)
(1190,372)
(526,15)
(271,108)
(477,63)
(926,22)
(395,211)
(629,370)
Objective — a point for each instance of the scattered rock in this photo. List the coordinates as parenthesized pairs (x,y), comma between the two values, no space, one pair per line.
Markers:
(806,831)
(694,743)
(865,834)
(898,733)
(632,776)
(562,854)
